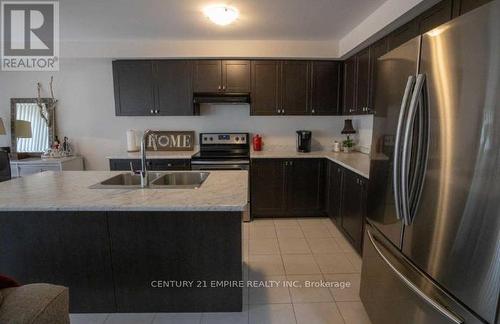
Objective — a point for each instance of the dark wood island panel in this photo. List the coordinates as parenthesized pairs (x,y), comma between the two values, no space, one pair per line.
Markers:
(115,261)
(66,248)
(156,248)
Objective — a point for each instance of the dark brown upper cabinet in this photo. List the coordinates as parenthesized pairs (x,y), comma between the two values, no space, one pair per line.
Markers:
(134,88)
(295,88)
(151,88)
(431,18)
(236,76)
(402,34)
(208,76)
(461,7)
(435,16)
(213,76)
(174,89)
(363,78)
(357,76)
(377,50)
(265,88)
(325,88)
(349,86)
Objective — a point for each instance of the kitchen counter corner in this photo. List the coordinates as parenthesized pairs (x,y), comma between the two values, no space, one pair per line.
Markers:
(355,161)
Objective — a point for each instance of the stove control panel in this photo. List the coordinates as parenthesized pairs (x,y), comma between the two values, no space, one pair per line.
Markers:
(223,138)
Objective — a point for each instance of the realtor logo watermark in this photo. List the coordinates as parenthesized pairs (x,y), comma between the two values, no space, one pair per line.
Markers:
(30,36)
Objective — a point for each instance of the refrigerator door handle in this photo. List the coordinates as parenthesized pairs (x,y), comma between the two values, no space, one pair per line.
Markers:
(397,150)
(421,159)
(405,154)
(440,308)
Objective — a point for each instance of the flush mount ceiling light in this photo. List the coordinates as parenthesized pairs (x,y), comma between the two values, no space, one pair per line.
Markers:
(221,15)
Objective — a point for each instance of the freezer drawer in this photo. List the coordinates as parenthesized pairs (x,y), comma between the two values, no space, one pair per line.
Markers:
(393,291)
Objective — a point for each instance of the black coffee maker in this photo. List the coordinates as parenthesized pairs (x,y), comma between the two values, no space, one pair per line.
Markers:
(304,141)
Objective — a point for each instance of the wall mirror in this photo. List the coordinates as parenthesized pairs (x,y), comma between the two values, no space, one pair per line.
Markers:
(32,125)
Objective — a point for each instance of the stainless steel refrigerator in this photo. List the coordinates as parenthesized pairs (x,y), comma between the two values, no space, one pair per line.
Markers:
(432,243)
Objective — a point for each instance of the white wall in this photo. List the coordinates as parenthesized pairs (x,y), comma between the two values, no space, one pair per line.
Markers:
(86,114)
(164,48)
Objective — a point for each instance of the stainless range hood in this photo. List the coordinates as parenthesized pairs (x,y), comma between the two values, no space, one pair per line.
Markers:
(221,98)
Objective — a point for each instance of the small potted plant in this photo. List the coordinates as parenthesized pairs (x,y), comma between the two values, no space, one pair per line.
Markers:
(347,145)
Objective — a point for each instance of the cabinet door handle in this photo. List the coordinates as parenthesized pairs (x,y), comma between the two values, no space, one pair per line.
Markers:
(313,111)
(152,111)
(158,111)
(291,162)
(220,87)
(279,111)
(286,163)
(282,111)
(224,88)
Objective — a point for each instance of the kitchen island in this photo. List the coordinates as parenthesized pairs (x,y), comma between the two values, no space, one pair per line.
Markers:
(127,250)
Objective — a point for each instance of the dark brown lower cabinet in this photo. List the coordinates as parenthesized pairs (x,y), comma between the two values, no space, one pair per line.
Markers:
(353,207)
(153,164)
(267,181)
(287,187)
(310,187)
(346,202)
(334,191)
(305,187)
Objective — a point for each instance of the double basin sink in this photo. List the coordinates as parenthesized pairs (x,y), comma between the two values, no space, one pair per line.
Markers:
(157,180)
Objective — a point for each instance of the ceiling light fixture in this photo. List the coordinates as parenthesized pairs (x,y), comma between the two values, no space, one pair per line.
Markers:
(221,15)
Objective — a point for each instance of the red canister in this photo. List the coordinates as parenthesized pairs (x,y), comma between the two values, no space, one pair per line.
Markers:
(257,142)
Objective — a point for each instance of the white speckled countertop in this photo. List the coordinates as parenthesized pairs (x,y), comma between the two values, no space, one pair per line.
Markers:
(155,155)
(354,161)
(69,190)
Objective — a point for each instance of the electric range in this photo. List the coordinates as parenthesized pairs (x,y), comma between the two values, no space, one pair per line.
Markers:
(222,151)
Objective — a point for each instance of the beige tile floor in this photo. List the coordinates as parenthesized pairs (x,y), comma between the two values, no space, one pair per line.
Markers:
(281,250)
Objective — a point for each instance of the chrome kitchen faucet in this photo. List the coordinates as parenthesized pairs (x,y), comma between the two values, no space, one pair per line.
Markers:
(144,168)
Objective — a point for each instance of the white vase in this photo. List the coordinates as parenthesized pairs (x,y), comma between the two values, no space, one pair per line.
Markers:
(347,149)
